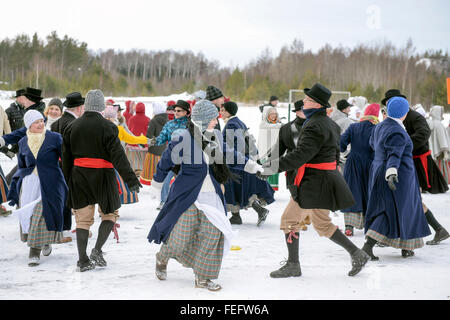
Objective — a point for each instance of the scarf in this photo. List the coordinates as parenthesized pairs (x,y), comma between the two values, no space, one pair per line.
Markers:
(372,119)
(310,112)
(35,141)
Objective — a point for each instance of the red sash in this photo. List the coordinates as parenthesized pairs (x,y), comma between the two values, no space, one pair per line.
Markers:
(423,159)
(96,164)
(320,166)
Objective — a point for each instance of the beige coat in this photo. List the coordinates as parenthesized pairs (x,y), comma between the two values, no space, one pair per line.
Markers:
(5,128)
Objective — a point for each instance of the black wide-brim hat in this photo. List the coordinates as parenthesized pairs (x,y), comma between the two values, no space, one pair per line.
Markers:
(119,108)
(298,105)
(19,93)
(390,94)
(183,105)
(73,100)
(319,94)
(33,94)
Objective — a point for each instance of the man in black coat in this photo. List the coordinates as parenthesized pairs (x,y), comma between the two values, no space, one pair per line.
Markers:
(429,176)
(74,105)
(91,152)
(319,185)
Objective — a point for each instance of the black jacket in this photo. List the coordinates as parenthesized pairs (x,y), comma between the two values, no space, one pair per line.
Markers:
(15,114)
(154,129)
(61,124)
(92,136)
(318,143)
(419,131)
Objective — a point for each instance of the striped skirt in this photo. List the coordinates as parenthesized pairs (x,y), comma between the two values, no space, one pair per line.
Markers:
(136,156)
(38,235)
(273,181)
(355,219)
(149,169)
(195,243)
(444,167)
(398,243)
(126,197)
(3,188)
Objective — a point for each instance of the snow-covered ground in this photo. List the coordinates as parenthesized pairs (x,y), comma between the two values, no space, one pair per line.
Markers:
(244,274)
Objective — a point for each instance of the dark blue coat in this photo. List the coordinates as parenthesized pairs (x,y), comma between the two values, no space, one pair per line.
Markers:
(187,185)
(357,166)
(394,214)
(239,192)
(53,185)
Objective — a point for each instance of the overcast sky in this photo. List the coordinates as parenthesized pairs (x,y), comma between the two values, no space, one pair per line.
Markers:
(232,32)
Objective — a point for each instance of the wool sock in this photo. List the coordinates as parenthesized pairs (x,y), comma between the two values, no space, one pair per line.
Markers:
(104,230)
(432,220)
(342,240)
(292,246)
(82,242)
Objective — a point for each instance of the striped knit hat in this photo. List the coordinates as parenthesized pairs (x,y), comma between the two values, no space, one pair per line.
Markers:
(212,93)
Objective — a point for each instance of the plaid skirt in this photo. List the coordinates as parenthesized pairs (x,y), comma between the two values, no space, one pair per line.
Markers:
(355,219)
(38,235)
(149,169)
(444,167)
(398,243)
(136,157)
(126,197)
(3,188)
(195,243)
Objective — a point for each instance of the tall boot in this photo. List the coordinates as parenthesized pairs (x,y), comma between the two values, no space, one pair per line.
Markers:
(262,212)
(358,257)
(441,234)
(34,257)
(84,263)
(292,266)
(104,230)
(368,248)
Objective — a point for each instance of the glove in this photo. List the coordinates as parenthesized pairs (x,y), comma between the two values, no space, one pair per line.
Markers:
(261,176)
(392,179)
(135,187)
(252,167)
(151,142)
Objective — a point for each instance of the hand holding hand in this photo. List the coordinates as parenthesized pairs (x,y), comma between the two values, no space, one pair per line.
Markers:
(392,179)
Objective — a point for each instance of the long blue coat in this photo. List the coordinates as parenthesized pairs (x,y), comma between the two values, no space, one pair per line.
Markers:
(53,186)
(239,192)
(357,166)
(394,214)
(187,185)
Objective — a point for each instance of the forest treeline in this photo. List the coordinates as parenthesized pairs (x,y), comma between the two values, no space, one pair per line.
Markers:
(59,65)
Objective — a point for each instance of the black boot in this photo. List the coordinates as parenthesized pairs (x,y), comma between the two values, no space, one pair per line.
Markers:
(368,248)
(236,218)
(262,212)
(83,264)
(407,253)
(358,257)
(292,266)
(441,234)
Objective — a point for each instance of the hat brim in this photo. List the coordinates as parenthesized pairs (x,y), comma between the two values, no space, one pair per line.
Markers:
(74,105)
(325,104)
(383,102)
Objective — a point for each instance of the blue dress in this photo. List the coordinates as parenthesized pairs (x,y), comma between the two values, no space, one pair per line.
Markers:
(394,217)
(357,166)
(238,194)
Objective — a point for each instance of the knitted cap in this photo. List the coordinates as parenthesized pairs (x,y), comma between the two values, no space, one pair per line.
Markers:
(56,102)
(231,107)
(95,101)
(203,112)
(212,93)
(372,110)
(32,116)
(397,107)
